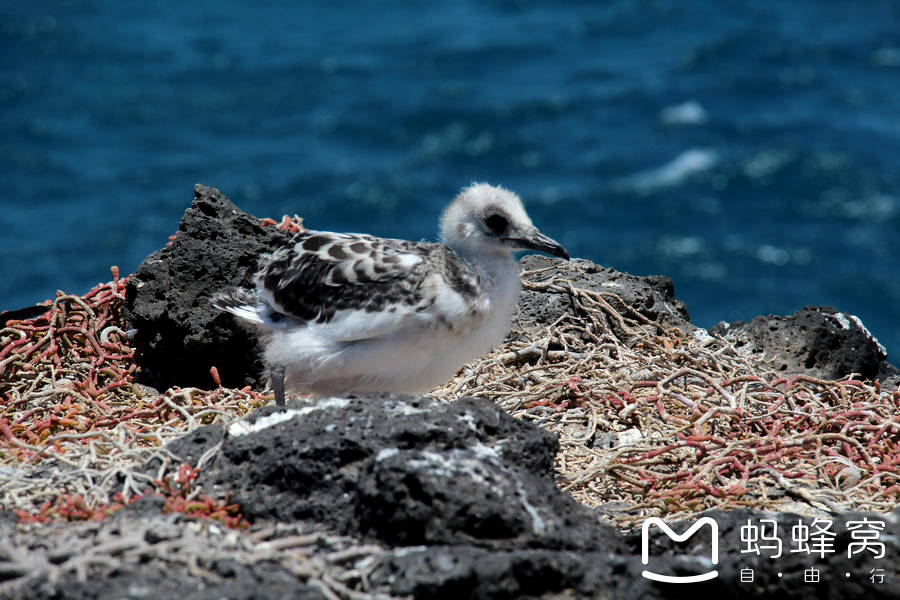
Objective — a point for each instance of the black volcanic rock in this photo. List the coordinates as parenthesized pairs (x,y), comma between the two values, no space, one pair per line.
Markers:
(400,470)
(816,341)
(469,496)
(180,335)
(433,572)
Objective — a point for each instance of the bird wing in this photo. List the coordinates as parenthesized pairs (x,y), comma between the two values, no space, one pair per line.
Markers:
(361,285)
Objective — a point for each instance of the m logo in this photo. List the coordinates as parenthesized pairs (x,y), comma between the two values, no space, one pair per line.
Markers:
(645,549)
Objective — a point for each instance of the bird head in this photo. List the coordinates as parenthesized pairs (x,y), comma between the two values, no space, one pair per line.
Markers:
(484,219)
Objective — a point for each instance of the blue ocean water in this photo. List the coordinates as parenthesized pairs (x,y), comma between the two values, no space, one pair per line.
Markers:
(749,150)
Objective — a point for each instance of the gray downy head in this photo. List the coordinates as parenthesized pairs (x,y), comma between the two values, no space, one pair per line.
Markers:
(484,219)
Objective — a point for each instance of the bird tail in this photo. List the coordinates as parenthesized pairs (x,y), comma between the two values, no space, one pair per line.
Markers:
(242,303)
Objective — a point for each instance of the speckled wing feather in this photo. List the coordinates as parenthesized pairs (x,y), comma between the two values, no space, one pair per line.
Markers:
(322,273)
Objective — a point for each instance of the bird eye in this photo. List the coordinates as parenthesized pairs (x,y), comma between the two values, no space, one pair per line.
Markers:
(497,224)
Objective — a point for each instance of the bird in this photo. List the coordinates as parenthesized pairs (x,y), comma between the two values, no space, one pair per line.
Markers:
(347,313)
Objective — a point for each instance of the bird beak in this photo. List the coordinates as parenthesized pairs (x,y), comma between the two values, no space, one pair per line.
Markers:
(535,240)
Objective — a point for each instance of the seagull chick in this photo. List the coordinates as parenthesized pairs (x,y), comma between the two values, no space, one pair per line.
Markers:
(343,313)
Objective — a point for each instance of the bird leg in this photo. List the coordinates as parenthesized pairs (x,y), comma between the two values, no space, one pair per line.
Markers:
(277,376)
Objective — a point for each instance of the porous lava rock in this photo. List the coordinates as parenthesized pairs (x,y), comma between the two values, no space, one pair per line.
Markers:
(431,572)
(818,341)
(180,335)
(398,470)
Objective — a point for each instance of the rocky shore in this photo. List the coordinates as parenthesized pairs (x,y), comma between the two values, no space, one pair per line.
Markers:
(527,475)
